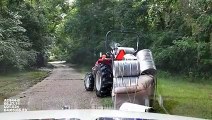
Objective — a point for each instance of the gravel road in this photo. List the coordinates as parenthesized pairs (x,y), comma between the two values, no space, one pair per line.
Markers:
(64,87)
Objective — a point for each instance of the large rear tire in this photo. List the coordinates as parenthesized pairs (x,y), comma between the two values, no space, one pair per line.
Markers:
(103,80)
(89,82)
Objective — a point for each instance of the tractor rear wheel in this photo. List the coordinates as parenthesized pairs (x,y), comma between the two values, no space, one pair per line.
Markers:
(103,80)
(89,82)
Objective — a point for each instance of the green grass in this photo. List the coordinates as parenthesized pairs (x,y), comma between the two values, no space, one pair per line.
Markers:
(186,97)
(14,83)
(107,101)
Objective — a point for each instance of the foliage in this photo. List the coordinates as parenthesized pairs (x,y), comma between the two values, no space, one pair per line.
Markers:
(13,43)
(27,31)
(177,31)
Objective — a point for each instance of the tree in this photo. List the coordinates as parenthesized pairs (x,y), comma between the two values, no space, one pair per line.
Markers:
(14,45)
(177,31)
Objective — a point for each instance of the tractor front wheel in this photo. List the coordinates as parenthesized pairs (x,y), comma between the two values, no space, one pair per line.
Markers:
(89,82)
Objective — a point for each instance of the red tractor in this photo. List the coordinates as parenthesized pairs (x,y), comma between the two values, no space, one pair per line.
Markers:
(123,70)
(101,77)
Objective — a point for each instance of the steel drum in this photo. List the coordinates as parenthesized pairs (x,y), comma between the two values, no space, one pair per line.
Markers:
(125,81)
(146,61)
(126,68)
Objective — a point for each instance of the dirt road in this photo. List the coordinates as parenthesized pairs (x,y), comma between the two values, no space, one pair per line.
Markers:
(64,87)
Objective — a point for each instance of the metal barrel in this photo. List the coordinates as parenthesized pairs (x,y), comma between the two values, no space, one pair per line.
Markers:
(126,68)
(146,61)
(125,81)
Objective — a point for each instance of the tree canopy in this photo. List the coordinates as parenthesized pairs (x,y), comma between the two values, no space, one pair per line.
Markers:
(179,32)
(27,30)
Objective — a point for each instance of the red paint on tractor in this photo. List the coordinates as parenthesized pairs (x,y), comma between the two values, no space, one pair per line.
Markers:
(120,55)
(103,59)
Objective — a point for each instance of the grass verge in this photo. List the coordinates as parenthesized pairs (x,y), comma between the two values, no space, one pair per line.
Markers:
(14,83)
(186,97)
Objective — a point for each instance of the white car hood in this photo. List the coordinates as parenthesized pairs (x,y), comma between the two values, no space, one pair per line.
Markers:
(88,114)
